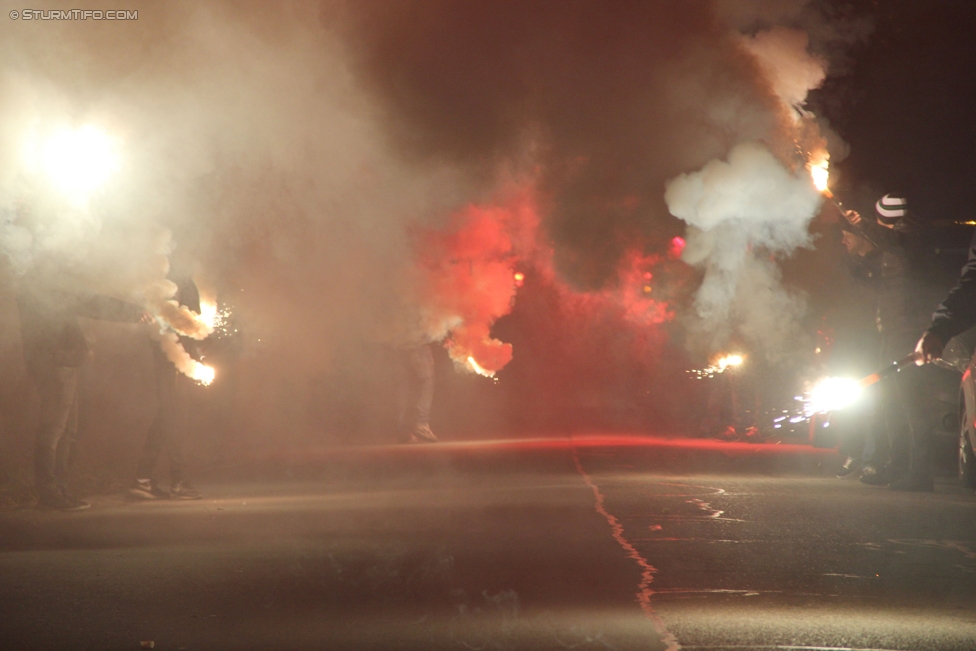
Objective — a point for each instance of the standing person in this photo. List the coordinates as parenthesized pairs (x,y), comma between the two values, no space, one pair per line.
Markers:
(55,348)
(956,314)
(166,430)
(415,393)
(862,442)
(902,309)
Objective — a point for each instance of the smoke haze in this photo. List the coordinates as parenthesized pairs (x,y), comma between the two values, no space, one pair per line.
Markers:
(320,164)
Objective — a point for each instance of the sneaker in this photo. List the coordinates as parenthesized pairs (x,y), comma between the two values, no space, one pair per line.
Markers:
(849,467)
(182,490)
(146,489)
(872,476)
(77,504)
(57,501)
(912,482)
(422,434)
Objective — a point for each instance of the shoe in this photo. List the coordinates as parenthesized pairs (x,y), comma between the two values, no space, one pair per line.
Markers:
(422,434)
(916,483)
(57,501)
(849,467)
(77,504)
(146,489)
(752,435)
(182,490)
(872,476)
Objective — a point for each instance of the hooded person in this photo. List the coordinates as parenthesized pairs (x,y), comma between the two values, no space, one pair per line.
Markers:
(902,308)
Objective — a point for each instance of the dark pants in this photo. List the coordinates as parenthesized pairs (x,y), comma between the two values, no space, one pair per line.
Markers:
(415,387)
(57,389)
(907,407)
(166,429)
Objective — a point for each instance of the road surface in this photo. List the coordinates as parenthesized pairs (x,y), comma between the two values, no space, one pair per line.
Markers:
(590,543)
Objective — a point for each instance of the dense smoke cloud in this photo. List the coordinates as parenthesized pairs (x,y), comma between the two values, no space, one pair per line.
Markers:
(739,211)
(292,154)
(609,104)
(612,105)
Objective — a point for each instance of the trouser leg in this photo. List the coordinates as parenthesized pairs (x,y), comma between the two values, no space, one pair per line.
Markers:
(896,427)
(57,389)
(422,365)
(161,430)
(403,390)
(67,448)
(916,389)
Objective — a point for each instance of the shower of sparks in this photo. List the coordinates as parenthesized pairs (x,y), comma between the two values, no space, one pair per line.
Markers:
(217,318)
(721,365)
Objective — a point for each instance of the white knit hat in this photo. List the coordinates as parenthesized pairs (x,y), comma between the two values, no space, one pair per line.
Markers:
(890,209)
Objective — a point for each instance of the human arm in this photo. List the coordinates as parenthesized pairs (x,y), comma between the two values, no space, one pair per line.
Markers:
(106,308)
(956,314)
(885,239)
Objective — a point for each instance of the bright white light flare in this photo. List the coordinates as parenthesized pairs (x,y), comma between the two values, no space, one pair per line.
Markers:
(820,173)
(720,365)
(209,313)
(78,161)
(477,368)
(729,360)
(832,394)
(202,373)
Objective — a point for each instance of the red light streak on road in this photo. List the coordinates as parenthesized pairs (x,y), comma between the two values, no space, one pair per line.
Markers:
(648,571)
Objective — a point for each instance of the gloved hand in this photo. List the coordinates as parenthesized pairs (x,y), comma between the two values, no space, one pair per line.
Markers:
(928,348)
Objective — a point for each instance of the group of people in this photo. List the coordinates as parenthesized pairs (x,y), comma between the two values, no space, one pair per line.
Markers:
(55,348)
(893,447)
(893,451)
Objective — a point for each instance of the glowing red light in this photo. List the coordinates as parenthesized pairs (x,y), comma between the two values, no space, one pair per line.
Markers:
(519,278)
(677,246)
(647,275)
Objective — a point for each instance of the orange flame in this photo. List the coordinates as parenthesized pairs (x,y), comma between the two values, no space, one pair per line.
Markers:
(477,368)
(820,173)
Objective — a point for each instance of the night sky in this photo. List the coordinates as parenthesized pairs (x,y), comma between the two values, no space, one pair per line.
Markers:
(905,105)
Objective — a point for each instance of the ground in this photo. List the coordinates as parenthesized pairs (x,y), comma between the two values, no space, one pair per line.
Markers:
(589,543)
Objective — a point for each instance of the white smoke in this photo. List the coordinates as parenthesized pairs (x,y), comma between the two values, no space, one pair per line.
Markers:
(184,363)
(789,68)
(740,212)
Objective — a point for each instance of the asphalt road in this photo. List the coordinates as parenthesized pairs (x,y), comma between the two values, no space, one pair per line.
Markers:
(584,544)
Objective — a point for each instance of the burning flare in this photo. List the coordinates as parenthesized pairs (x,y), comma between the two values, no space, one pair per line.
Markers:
(720,365)
(820,173)
(477,368)
(181,359)
(831,394)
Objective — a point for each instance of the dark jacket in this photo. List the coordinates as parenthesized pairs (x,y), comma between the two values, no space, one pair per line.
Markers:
(957,313)
(49,327)
(903,301)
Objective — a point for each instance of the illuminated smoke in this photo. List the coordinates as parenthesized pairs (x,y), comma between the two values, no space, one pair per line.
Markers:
(740,212)
(790,70)
(292,152)
(181,359)
(469,279)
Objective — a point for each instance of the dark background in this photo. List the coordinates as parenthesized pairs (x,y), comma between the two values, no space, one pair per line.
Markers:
(904,104)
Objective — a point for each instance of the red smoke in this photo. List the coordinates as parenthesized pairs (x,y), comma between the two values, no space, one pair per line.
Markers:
(469,277)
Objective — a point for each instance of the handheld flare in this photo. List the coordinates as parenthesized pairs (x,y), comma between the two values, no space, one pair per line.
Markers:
(820,173)
(891,369)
